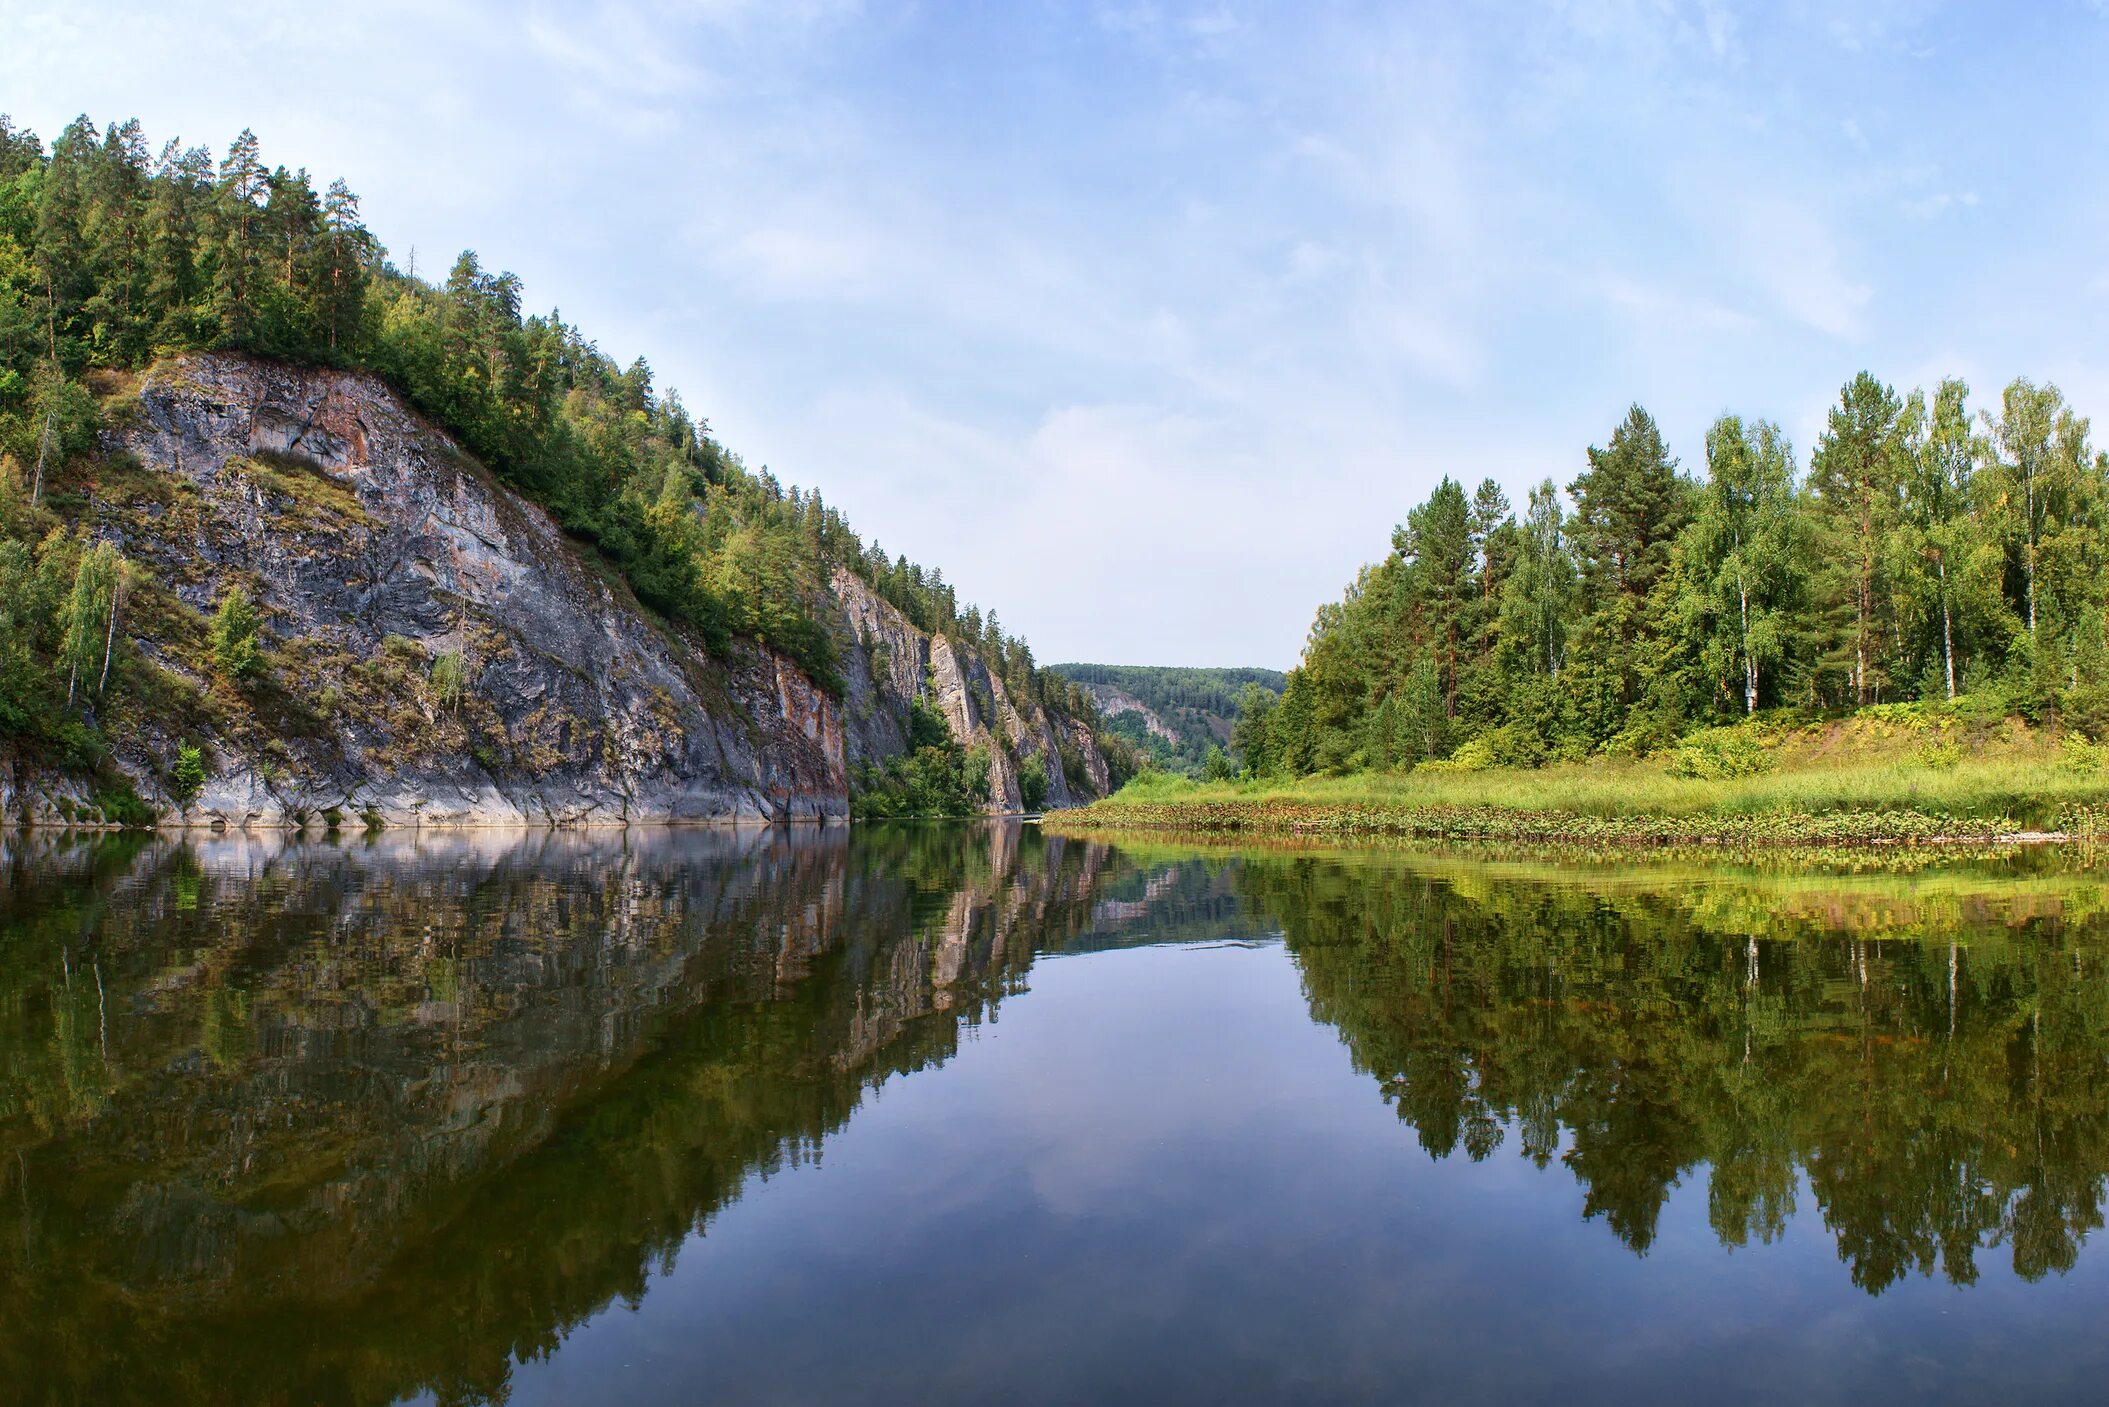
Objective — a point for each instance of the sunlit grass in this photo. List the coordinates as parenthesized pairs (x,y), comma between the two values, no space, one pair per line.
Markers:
(2002,785)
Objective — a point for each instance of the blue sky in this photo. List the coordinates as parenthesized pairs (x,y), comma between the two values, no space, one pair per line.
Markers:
(1145,322)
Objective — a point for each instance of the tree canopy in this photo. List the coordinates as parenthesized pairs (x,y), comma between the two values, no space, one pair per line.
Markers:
(1927,552)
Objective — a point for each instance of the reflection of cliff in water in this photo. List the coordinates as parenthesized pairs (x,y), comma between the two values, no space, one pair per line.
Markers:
(1937,1095)
(343,1121)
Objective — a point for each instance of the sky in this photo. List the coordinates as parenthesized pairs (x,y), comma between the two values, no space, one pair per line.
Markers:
(1145,322)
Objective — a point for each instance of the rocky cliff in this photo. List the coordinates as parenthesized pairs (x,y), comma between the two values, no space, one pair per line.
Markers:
(387,566)
(888,663)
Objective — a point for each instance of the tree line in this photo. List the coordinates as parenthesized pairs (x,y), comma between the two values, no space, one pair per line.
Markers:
(1196,705)
(113,255)
(1931,548)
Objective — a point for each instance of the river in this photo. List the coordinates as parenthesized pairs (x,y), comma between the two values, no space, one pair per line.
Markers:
(964,1113)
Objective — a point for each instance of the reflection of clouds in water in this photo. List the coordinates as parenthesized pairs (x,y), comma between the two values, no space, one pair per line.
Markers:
(1097,1130)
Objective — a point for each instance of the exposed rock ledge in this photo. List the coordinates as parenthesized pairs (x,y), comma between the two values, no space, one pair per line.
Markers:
(377,547)
(387,548)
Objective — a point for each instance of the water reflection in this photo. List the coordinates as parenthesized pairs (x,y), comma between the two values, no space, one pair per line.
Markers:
(1924,1058)
(345,1122)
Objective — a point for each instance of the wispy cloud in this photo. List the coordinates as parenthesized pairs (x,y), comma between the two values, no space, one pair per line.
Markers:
(1196,298)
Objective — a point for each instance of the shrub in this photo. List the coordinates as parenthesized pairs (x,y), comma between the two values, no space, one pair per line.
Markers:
(1032,782)
(1713,754)
(120,805)
(1472,755)
(937,777)
(2078,756)
(1516,744)
(1644,734)
(235,652)
(187,778)
(449,677)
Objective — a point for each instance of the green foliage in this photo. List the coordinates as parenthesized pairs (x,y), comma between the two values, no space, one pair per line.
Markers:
(1929,557)
(935,777)
(1714,754)
(111,257)
(448,678)
(1251,736)
(2079,756)
(236,653)
(1474,755)
(1032,782)
(187,777)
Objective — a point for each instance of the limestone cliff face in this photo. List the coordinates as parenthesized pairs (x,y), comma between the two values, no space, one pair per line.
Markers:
(376,549)
(373,547)
(888,663)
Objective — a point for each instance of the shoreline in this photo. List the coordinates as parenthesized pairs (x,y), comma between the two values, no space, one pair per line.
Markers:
(1873,829)
(18,826)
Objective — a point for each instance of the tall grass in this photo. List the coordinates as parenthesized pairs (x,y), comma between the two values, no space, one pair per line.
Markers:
(2015,788)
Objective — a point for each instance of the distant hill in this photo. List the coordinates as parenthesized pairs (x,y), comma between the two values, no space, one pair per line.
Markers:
(1172,716)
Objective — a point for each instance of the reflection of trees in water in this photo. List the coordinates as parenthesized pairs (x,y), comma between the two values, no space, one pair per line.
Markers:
(340,1122)
(1940,1094)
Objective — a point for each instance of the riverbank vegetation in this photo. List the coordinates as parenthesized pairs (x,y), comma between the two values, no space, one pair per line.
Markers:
(1933,552)
(1917,625)
(935,777)
(1888,773)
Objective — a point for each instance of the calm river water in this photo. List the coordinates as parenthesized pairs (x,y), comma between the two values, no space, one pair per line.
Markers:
(966,1114)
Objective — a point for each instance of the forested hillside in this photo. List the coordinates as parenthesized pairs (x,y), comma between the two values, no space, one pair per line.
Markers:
(1177,720)
(113,257)
(1932,550)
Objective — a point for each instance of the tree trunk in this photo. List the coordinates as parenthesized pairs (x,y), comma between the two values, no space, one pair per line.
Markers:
(110,636)
(1947,629)
(1750,674)
(36,488)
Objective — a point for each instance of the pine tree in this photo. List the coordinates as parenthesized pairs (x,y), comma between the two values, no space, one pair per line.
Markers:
(1855,478)
(1630,504)
(1436,545)
(238,262)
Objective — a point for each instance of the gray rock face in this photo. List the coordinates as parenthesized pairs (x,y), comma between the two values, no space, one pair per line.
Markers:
(888,663)
(374,548)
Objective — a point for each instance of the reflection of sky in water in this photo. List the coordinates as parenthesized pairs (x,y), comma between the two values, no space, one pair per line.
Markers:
(966,1114)
(1155,1179)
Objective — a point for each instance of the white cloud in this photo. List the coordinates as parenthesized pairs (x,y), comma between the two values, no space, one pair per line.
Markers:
(1790,254)
(800,262)
(1145,323)
(1927,207)
(1658,311)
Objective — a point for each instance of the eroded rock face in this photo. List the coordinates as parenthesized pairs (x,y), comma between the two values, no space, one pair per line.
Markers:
(374,547)
(888,663)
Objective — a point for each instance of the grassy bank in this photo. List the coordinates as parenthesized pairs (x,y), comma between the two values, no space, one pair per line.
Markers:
(1863,781)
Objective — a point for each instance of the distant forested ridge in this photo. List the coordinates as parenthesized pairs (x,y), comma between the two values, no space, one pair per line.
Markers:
(1174,718)
(1929,550)
(113,256)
